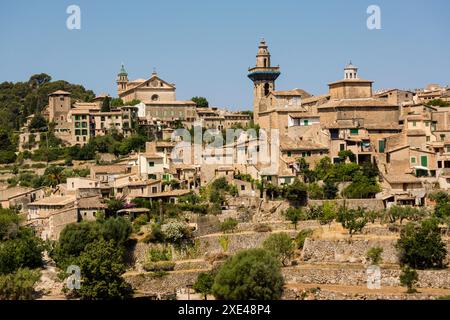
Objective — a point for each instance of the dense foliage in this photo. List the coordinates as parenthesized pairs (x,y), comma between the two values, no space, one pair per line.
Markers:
(249,275)
(420,245)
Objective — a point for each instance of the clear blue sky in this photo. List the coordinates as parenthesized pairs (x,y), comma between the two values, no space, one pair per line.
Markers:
(206,46)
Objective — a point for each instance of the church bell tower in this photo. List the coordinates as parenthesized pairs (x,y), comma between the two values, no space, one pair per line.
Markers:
(263,76)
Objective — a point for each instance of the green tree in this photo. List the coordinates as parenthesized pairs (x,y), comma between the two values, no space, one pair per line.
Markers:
(106,104)
(116,102)
(102,265)
(328,213)
(38,123)
(294,215)
(19,285)
(204,283)
(409,278)
(201,102)
(281,246)
(253,274)
(353,220)
(117,229)
(296,193)
(54,175)
(114,205)
(421,246)
(72,242)
(9,224)
(374,255)
(23,251)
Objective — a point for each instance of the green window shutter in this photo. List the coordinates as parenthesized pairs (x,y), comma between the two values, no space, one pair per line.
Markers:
(289,154)
(381,146)
(354,131)
(448,148)
(424,161)
(306,122)
(413,160)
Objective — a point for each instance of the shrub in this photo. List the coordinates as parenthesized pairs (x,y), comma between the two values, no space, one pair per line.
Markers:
(281,246)
(157,254)
(140,221)
(262,228)
(176,232)
(159,266)
(301,237)
(229,225)
(224,242)
(156,235)
(374,255)
(249,275)
(409,278)
(421,246)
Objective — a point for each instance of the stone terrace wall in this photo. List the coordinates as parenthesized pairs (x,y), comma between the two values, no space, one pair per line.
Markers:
(351,276)
(148,283)
(350,250)
(237,241)
(368,204)
(346,250)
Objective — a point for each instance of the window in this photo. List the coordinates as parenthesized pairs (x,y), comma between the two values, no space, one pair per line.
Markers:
(242,188)
(289,154)
(342,147)
(77,132)
(151,164)
(442,137)
(354,132)
(414,123)
(152,177)
(306,122)
(83,117)
(84,124)
(61,98)
(84,132)
(266,89)
(428,138)
(77,124)
(154,189)
(155,97)
(102,118)
(413,160)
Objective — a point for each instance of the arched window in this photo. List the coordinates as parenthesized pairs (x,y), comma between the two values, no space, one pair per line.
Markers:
(155,97)
(265,62)
(266,89)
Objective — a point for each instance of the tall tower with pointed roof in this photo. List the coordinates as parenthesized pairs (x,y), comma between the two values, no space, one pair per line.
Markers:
(263,76)
(122,80)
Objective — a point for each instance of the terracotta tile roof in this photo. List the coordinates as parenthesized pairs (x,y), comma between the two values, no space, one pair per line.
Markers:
(54,201)
(366,102)
(109,169)
(90,203)
(401,178)
(294,92)
(59,92)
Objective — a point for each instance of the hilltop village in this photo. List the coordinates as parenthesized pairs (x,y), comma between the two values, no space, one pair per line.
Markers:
(350,168)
